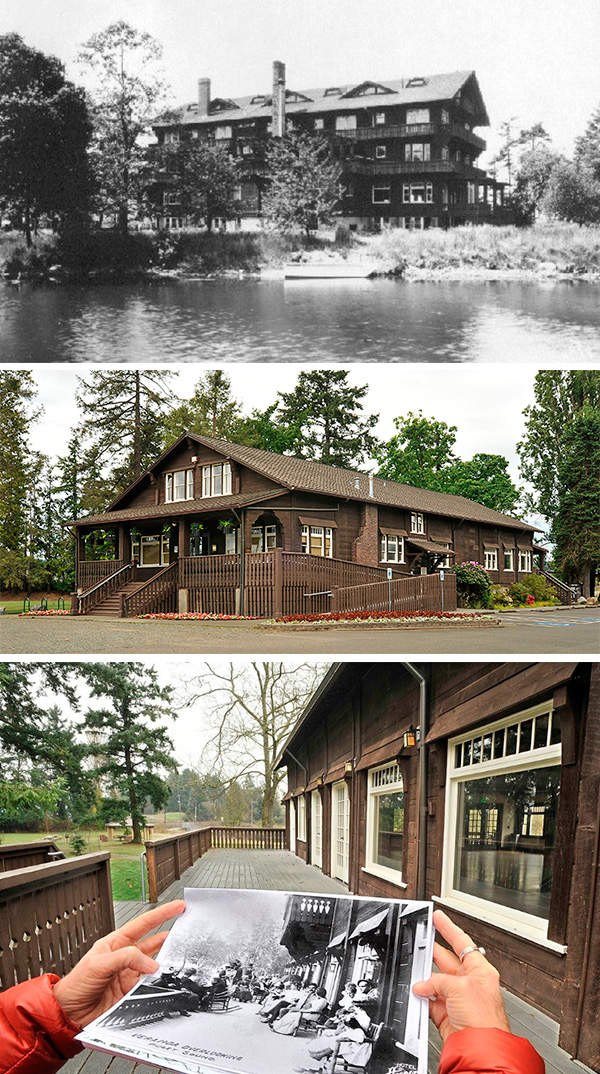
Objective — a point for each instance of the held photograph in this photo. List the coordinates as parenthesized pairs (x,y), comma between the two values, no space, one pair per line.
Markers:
(262,981)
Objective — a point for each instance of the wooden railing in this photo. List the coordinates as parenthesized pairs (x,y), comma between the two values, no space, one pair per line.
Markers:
(88,600)
(211,582)
(24,855)
(169,857)
(305,574)
(158,594)
(90,572)
(563,591)
(50,915)
(421,593)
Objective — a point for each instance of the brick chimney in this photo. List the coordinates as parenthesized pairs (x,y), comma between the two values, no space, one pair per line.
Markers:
(278,99)
(203,96)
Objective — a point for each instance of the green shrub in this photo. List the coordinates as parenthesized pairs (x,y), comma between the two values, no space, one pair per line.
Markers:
(518,592)
(473,585)
(499,596)
(539,587)
(77,843)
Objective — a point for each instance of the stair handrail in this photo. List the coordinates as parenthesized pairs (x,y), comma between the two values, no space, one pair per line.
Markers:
(107,585)
(146,585)
(109,578)
(560,585)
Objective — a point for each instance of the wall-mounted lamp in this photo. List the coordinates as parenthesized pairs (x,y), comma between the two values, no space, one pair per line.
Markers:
(320,781)
(410,738)
(348,768)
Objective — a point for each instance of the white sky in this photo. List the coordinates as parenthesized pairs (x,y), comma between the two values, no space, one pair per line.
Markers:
(535,59)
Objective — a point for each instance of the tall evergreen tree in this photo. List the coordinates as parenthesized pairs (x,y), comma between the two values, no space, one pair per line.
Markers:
(327,413)
(576,528)
(123,414)
(129,739)
(587,146)
(212,410)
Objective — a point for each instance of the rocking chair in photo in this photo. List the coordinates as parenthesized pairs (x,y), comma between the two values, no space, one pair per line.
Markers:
(372,1035)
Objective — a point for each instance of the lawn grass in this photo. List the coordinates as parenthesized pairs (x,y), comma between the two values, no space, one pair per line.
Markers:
(13,607)
(125,857)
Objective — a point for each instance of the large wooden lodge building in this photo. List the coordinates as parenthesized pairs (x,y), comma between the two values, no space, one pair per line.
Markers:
(476,785)
(407,147)
(220,527)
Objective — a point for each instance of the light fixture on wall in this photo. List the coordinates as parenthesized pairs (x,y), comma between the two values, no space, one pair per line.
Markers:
(320,781)
(348,768)
(410,738)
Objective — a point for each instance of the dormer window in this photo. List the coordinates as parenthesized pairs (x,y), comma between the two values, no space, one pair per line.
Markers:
(416,82)
(179,486)
(216,479)
(417,522)
(259,99)
(332,91)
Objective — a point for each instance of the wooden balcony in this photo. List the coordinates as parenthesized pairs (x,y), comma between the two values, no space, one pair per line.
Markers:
(415,167)
(413,130)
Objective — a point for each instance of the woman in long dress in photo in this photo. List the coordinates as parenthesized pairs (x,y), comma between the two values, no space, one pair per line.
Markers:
(310,1009)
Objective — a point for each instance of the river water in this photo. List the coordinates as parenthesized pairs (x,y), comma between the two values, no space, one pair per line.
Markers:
(554,323)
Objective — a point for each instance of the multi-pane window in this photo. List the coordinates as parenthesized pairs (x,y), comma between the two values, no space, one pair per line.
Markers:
(345,123)
(216,479)
(441,564)
(417,522)
(417,193)
(316,828)
(490,557)
(382,195)
(417,151)
(524,560)
(179,486)
(417,115)
(230,542)
(509,559)
(151,550)
(264,538)
(385,821)
(301,817)
(503,794)
(392,548)
(319,123)
(379,119)
(317,540)
(223,132)
(380,152)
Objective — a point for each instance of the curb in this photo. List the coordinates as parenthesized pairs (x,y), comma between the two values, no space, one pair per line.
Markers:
(292,627)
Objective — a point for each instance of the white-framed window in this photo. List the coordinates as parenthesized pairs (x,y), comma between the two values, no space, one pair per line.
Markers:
(417,151)
(171,137)
(171,198)
(417,193)
(417,115)
(490,559)
(417,522)
(264,538)
(379,119)
(179,486)
(380,152)
(223,132)
(345,123)
(317,540)
(316,829)
(319,123)
(524,560)
(509,559)
(442,564)
(301,817)
(151,550)
(216,479)
(392,548)
(502,794)
(385,822)
(382,195)
(173,223)
(340,831)
(445,116)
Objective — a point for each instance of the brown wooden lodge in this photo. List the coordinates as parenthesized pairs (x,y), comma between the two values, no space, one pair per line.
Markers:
(477,785)
(223,528)
(407,148)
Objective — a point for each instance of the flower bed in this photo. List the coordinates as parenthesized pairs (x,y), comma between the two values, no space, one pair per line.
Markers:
(50,611)
(378,617)
(193,615)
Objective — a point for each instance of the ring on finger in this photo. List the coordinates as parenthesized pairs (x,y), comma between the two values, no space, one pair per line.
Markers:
(469,951)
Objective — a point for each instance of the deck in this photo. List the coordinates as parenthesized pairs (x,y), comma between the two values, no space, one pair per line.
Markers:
(281,870)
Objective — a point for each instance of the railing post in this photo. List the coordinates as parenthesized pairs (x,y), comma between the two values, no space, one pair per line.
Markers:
(176,859)
(74,610)
(277,584)
(122,600)
(335,599)
(134,568)
(152,878)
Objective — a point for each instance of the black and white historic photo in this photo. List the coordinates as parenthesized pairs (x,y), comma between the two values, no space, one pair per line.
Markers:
(265,981)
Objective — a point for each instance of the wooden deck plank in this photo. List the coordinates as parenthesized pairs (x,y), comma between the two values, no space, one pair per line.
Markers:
(283,871)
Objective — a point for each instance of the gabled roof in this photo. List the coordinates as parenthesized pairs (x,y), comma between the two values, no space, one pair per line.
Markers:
(335,98)
(307,476)
(208,503)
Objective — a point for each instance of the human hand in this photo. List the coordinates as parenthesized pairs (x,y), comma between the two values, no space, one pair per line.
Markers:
(463,995)
(113,965)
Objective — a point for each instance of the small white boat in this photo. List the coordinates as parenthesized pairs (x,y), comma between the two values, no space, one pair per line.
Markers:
(328,270)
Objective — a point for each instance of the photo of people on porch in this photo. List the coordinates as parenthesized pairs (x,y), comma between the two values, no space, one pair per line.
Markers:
(261,981)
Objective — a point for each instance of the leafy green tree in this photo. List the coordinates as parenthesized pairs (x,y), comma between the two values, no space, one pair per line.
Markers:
(129,740)
(418,453)
(587,146)
(304,183)
(576,529)
(327,413)
(485,479)
(128,90)
(573,194)
(533,177)
(212,410)
(199,174)
(263,430)
(558,396)
(45,130)
(123,414)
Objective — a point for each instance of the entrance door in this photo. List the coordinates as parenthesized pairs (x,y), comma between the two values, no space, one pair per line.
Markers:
(292,826)
(316,829)
(340,831)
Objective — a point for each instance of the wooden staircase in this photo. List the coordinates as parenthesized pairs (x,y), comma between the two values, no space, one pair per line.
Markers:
(110,607)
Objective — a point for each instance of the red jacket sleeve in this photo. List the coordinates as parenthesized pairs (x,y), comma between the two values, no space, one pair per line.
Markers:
(489,1051)
(36,1037)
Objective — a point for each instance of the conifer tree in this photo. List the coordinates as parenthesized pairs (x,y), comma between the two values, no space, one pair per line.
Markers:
(211,411)
(576,529)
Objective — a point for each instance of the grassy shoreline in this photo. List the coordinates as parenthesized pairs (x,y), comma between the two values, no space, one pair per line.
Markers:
(541,252)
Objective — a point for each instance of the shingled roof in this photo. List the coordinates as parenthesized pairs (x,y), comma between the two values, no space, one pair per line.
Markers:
(290,472)
(416,90)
